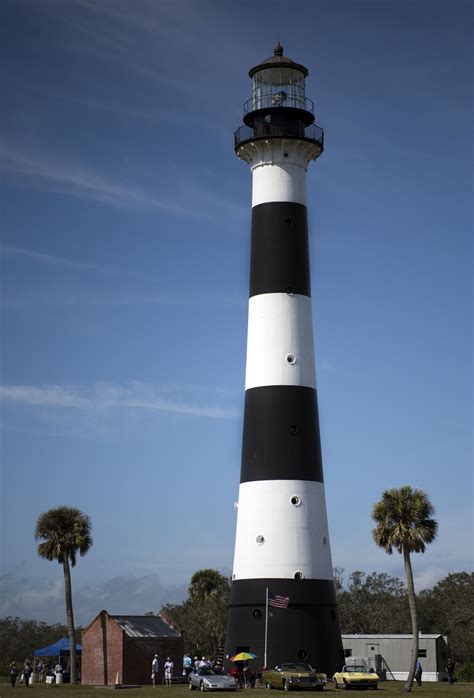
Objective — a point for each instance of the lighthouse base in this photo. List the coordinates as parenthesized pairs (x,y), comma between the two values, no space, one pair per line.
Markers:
(307,631)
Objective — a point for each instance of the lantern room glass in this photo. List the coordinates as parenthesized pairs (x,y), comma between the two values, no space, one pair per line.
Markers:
(278,87)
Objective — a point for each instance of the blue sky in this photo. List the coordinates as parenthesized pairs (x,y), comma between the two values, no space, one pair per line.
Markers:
(125,255)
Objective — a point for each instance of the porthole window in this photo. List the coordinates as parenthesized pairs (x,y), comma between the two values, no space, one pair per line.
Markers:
(287,221)
(293,429)
(303,654)
(298,575)
(291,358)
(325,540)
(289,290)
(257,614)
(295,500)
(260,540)
(285,155)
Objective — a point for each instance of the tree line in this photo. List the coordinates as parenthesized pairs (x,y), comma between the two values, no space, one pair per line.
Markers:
(367,603)
(19,638)
(375,603)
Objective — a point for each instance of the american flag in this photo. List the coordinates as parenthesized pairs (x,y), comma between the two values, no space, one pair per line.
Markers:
(278,601)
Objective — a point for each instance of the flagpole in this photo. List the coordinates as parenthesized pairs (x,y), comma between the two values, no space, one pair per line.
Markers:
(266,629)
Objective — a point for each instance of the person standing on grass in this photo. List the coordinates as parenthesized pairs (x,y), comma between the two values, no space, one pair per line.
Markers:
(418,672)
(27,671)
(13,673)
(450,671)
(187,665)
(169,665)
(155,668)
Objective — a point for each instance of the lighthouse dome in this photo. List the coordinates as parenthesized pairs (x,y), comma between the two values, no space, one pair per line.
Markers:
(278,60)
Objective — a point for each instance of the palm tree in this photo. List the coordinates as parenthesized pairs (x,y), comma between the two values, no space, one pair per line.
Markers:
(65,531)
(403,518)
(208,582)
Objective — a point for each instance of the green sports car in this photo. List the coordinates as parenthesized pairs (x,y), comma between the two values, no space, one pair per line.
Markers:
(355,676)
(294,675)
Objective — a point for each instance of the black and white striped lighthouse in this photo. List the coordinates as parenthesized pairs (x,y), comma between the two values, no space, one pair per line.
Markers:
(282,539)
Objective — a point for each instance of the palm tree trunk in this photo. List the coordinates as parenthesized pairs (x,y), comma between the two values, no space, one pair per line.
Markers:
(414,618)
(70,620)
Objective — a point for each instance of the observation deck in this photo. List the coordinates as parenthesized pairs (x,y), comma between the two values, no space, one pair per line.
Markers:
(246,134)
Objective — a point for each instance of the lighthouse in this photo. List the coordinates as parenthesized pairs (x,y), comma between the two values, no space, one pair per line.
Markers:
(282,606)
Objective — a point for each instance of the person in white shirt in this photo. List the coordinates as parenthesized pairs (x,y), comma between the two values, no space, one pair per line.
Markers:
(155,668)
(168,671)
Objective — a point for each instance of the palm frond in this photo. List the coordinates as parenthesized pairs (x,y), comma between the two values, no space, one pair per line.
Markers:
(63,531)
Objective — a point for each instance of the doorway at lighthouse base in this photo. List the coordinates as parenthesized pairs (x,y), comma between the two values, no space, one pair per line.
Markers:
(307,630)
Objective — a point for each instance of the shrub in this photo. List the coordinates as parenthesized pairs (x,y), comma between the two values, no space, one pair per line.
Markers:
(465,672)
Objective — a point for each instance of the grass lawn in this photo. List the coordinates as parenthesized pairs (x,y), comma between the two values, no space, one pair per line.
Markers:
(386,689)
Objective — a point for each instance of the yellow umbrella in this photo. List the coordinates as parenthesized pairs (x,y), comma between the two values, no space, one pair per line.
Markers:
(242,657)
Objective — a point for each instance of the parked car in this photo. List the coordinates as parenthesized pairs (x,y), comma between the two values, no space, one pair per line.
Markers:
(298,675)
(355,676)
(211,680)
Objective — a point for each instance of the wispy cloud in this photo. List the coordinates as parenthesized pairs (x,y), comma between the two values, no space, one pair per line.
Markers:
(147,38)
(46,172)
(42,257)
(109,396)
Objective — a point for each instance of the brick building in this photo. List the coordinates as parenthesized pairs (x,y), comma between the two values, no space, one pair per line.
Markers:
(120,649)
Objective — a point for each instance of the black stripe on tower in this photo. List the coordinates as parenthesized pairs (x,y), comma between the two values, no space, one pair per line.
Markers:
(307,630)
(279,260)
(281,438)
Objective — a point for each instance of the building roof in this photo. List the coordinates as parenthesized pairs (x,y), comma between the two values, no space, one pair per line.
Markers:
(391,637)
(146,626)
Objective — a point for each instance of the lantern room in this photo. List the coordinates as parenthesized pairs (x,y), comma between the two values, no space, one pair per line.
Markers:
(278,107)
(278,82)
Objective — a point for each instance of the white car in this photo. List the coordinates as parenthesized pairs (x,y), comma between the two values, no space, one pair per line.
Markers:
(211,680)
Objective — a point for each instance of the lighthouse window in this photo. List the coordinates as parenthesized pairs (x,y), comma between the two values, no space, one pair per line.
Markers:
(278,86)
(303,654)
(291,358)
(295,500)
(289,290)
(260,540)
(268,119)
(298,576)
(293,429)
(257,614)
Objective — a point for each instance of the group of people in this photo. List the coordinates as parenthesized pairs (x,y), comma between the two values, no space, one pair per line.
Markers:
(14,671)
(42,670)
(189,665)
(449,669)
(245,677)
(168,670)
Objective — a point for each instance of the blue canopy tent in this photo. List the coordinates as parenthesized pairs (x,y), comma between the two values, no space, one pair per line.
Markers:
(58,649)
